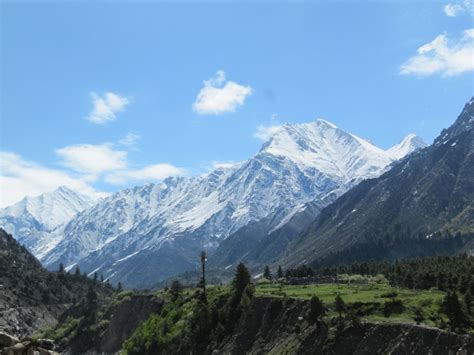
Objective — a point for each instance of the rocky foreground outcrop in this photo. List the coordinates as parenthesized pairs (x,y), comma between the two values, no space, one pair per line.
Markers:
(277,326)
(10,345)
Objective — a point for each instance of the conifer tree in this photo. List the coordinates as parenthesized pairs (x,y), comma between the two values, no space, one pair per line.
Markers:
(119,287)
(458,320)
(468,301)
(266,273)
(340,305)
(241,279)
(203,277)
(175,289)
(279,272)
(316,309)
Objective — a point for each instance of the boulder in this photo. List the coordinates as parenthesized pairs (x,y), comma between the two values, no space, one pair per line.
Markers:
(47,344)
(17,349)
(7,340)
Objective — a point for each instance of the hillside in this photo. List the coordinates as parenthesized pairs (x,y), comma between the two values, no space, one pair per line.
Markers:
(31,297)
(414,209)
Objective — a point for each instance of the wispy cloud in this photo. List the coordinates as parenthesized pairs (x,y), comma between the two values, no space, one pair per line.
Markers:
(130,140)
(20,177)
(443,56)
(455,9)
(154,172)
(219,96)
(265,132)
(106,107)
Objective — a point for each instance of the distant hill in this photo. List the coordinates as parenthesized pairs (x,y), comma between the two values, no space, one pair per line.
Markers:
(32,298)
(416,208)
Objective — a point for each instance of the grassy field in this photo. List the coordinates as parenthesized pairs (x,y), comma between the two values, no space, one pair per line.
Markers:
(367,299)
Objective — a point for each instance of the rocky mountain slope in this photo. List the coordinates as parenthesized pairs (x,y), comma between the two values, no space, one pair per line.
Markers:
(32,298)
(427,197)
(37,221)
(148,233)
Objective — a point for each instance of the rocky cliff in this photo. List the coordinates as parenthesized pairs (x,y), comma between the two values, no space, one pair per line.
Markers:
(279,326)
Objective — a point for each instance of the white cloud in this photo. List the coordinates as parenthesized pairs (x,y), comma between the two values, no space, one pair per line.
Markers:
(93,159)
(148,173)
(106,107)
(443,56)
(265,132)
(218,96)
(455,9)
(19,177)
(103,161)
(223,165)
(90,164)
(130,140)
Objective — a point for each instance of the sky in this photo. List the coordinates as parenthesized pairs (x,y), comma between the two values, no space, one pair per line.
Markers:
(104,95)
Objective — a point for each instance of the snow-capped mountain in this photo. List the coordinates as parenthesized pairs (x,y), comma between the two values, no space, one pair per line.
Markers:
(409,144)
(147,233)
(36,221)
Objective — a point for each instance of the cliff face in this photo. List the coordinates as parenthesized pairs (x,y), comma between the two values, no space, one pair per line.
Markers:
(116,324)
(278,326)
(126,317)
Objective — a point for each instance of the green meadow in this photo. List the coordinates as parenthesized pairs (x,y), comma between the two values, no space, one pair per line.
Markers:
(366,300)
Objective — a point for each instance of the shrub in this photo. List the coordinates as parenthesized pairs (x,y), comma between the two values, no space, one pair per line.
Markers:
(393,306)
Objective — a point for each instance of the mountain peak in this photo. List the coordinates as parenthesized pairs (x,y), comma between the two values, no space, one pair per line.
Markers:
(51,209)
(322,121)
(406,146)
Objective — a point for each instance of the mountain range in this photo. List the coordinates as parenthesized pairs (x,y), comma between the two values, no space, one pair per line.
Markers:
(37,222)
(424,205)
(148,233)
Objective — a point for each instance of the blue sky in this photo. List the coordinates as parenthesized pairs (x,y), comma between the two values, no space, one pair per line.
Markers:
(190,83)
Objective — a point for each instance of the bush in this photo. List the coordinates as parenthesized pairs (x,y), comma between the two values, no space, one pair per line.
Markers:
(391,294)
(393,306)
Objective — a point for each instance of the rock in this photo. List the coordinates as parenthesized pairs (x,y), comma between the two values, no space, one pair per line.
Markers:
(45,351)
(47,344)
(7,340)
(17,349)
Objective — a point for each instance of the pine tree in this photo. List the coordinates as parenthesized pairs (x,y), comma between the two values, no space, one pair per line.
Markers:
(241,279)
(266,273)
(468,301)
(458,320)
(316,309)
(61,268)
(91,297)
(175,289)
(119,287)
(340,305)
(78,271)
(203,277)
(279,272)
(95,276)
